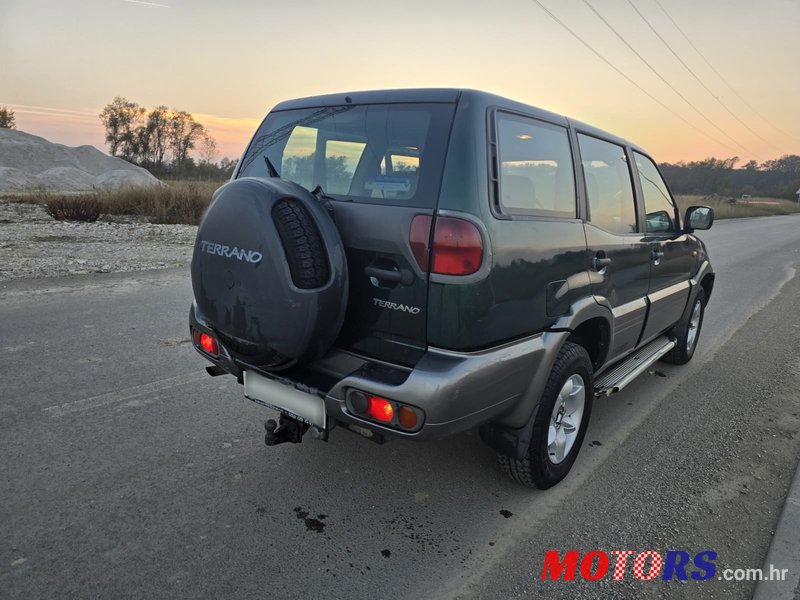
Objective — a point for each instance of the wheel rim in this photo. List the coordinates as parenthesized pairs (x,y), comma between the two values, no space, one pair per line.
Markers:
(694,326)
(565,422)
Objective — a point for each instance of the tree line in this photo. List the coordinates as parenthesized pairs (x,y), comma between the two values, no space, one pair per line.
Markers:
(778,178)
(160,140)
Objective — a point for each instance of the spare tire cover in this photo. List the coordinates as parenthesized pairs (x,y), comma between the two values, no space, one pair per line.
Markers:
(269,272)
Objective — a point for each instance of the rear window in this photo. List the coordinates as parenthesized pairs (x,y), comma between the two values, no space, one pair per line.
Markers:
(377,153)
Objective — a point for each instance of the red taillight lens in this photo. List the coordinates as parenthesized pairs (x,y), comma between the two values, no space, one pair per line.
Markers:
(457,247)
(209,344)
(380,409)
(388,412)
(206,343)
(419,238)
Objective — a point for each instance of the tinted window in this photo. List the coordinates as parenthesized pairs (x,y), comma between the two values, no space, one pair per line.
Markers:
(295,164)
(536,172)
(392,153)
(658,203)
(608,185)
(341,159)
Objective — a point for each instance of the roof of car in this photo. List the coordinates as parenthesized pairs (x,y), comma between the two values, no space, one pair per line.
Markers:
(445,95)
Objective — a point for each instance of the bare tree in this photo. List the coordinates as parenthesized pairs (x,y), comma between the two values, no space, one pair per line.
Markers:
(208,148)
(158,123)
(7,119)
(120,119)
(184,132)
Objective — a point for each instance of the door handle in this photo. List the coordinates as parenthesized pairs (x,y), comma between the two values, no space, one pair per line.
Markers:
(600,261)
(390,275)
(656,255)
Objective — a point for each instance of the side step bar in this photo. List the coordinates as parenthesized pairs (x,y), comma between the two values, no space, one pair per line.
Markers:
(633,366)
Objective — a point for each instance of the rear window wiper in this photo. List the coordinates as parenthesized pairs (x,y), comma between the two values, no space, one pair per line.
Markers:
(320,195)
(273,172)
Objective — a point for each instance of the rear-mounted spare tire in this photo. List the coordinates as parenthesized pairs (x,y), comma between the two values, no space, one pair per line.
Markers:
(269,273)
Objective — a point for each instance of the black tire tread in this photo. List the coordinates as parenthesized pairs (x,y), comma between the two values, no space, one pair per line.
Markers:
(678,355)
(302,243)
(526,471)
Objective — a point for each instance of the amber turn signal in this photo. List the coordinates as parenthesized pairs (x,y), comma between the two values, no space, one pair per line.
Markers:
(407,417)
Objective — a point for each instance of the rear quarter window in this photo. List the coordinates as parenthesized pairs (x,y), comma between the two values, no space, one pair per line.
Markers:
(536,173)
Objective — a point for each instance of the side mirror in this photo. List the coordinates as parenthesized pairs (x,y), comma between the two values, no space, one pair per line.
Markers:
(698,217)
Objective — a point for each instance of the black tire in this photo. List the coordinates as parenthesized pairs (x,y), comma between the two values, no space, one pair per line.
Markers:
(537,469)
(683,351)
(302,243)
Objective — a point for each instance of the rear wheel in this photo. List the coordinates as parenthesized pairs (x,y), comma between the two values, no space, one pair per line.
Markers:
(687,332)
(560,423)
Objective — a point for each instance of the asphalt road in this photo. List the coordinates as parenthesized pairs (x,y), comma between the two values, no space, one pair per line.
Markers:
(126,472)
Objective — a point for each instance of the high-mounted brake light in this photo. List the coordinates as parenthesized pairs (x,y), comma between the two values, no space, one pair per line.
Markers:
(457,245)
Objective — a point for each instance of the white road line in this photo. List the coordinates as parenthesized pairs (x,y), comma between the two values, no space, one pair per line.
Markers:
(119,396)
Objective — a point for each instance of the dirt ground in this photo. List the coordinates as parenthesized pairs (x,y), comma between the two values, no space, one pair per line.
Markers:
(33,244)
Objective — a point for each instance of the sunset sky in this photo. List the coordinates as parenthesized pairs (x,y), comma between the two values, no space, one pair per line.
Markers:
(228,63)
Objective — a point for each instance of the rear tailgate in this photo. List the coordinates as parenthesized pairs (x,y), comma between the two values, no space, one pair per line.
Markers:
(382,166)
(386,319)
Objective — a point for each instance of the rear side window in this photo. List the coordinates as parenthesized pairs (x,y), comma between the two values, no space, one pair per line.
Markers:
(609,186)
(379,153)
(658,205)
(536,171)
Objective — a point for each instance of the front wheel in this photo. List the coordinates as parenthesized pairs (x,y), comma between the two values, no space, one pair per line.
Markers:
(560,423)
(687,332)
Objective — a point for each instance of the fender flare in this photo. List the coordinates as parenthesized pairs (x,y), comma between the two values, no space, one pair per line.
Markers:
(511,433)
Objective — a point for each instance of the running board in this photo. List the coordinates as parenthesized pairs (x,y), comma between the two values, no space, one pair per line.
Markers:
(630,368)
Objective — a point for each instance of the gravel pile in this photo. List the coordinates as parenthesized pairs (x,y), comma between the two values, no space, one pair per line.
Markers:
(32,244)
(29,162)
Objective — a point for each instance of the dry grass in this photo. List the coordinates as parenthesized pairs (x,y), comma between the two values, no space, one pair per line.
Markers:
(754,207)
(173,202)
(185,201)
(65,208)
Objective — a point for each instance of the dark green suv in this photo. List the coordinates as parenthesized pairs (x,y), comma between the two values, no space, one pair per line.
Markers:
(415,263)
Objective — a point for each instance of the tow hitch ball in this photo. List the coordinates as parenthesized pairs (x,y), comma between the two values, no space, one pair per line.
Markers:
(288,430)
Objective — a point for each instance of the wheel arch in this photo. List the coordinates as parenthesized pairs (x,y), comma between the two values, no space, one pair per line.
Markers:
(594,335)
(510,434)
(708,284)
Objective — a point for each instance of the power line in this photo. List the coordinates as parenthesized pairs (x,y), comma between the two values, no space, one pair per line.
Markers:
(693,74)
(718,74)
(662,78)
(627,78)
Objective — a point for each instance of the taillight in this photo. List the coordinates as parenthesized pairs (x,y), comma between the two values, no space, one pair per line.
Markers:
(380,409)
(457,245)
(419,238)
(206,343)
(386,412)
